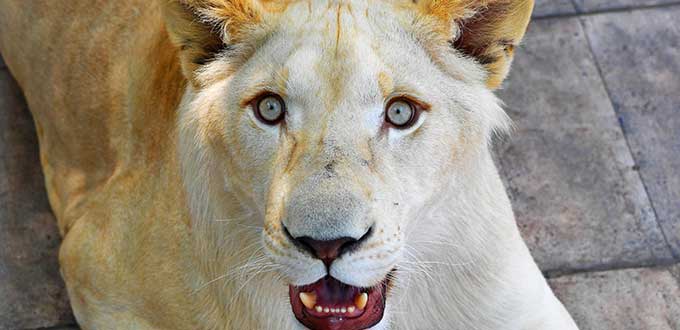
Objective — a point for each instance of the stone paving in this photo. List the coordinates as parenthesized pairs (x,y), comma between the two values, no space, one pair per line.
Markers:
(592,168)
(32,294)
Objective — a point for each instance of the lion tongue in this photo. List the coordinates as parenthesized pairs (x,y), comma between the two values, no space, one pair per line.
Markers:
(329,304)
(330,296)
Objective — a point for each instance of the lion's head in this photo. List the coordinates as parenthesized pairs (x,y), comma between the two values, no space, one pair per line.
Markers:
(342,148)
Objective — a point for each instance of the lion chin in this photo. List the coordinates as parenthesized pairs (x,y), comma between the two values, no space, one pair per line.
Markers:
(266,164)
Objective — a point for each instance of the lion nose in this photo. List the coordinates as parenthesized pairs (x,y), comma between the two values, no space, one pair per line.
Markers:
(329,250)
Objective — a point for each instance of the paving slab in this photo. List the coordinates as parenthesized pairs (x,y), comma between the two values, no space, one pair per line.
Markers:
(639,53)
(579,201)
(632,299)
(553,7)
(584,6)
(31,290)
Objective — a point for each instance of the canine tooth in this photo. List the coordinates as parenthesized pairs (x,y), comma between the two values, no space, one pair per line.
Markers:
(351,309)
(318,309)
(343,310)
(361,300)
(308,299)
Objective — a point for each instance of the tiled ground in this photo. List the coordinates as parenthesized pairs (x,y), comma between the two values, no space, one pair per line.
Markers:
(32,294)
(593,169)
(554,8)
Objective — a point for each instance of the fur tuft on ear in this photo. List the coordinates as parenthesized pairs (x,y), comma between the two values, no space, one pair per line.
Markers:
(201,29)
(487,30)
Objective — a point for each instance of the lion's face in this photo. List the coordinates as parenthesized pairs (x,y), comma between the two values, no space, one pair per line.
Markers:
(337,131)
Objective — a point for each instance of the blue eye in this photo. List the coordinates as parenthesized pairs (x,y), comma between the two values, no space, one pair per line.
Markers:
(270,109)
(400,113)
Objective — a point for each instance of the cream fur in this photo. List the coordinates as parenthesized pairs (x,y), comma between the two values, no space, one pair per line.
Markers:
(185,229)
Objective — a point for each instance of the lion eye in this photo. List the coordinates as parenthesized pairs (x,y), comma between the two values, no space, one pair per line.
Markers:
(270,109)
(400,113)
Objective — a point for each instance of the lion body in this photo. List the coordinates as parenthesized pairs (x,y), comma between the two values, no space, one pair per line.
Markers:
(109,97)
(105,117)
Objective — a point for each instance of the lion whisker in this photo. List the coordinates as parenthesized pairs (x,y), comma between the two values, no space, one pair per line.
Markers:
(264,269)
(205,285)
(234,218)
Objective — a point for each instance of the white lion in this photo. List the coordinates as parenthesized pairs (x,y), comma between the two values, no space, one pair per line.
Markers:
(264,164)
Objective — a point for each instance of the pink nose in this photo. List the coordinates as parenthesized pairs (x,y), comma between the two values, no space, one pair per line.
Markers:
(327,251)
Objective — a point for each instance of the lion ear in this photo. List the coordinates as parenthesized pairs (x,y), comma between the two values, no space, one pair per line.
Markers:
(201,29)
(487,30)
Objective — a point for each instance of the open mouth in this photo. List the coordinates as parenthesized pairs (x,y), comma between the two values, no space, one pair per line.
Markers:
(329,304)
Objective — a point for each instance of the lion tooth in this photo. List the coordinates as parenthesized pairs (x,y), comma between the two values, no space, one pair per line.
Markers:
(351,309)
(318,309)
(361,300)
(308,299)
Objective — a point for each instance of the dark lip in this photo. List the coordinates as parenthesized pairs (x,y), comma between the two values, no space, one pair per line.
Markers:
(372,314)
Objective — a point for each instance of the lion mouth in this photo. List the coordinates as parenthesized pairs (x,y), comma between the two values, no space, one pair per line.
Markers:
(329,304)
